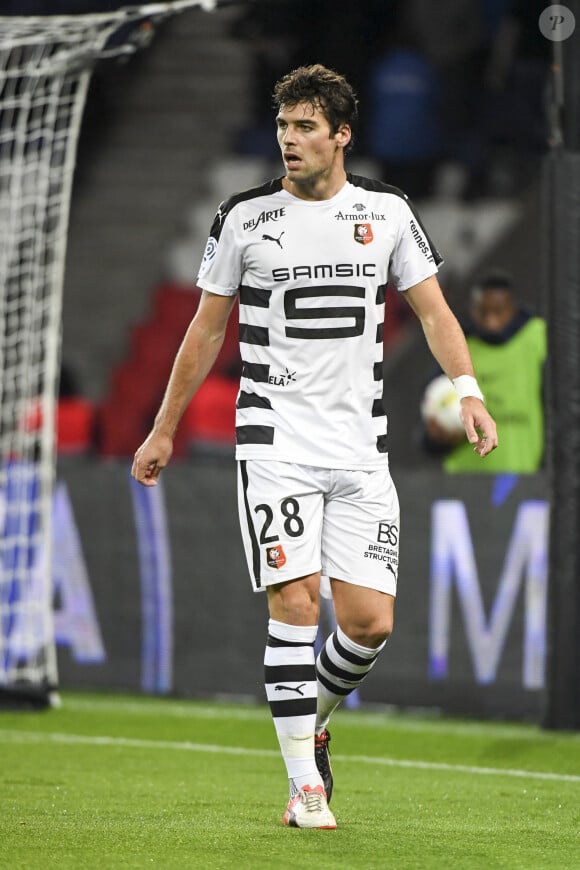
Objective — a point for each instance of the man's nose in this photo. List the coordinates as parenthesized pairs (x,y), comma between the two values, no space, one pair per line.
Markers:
(288,136)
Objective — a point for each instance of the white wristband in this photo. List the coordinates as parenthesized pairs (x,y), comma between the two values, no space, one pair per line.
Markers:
(466,386)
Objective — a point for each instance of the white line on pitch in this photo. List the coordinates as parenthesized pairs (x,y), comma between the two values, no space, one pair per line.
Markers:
(13,736)
(360,718)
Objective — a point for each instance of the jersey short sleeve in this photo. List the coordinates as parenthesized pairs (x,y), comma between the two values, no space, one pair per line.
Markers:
(414,257)
(221,266)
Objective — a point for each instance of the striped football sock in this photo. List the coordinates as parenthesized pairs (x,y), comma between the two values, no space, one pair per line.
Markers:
(291,689)
(341,667)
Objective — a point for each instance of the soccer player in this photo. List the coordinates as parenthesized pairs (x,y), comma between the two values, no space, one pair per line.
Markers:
(308,255)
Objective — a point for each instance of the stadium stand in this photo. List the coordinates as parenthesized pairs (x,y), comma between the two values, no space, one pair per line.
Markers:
(75,425)
(137,383)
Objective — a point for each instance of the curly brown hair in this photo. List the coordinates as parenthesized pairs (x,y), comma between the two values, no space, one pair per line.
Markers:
(324,89)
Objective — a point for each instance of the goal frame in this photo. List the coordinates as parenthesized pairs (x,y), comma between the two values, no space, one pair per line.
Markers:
(45,61)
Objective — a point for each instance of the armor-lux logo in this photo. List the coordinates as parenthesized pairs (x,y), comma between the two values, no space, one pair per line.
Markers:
(363,234)
(275,556)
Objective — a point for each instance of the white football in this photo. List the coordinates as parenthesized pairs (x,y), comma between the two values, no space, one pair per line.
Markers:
(441,403)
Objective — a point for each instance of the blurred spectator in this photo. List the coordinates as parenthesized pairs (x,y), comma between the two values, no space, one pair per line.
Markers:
(451,37)
(508,348)
(404,131)
(513,114)
(272,50)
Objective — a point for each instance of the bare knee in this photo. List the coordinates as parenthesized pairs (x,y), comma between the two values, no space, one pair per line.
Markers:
(365,615)
(371,634)
(295,602)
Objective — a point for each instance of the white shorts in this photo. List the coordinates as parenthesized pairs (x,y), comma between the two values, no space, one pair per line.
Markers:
(299,519)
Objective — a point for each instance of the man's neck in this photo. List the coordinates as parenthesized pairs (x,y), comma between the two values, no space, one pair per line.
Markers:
(317,189)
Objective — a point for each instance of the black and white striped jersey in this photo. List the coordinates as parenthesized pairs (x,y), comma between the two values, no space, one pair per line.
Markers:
(311,279)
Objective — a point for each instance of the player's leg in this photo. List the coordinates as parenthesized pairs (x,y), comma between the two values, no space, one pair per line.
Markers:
(360,553)
(290,675)
(291,688)
(364,622)
(365,615)
(281,520)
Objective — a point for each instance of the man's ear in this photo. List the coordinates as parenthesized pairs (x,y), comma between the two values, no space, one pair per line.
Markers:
(343,135)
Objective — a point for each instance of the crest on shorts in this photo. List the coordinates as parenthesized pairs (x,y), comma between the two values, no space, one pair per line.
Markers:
(275,556)
(363,233)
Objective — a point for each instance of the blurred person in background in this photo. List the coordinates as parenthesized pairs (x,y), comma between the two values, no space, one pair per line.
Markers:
(513,110)
(309,255)
(450,38)
(404,130)
(508,348)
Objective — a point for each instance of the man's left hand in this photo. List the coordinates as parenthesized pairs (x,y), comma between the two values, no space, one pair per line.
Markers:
(479,425)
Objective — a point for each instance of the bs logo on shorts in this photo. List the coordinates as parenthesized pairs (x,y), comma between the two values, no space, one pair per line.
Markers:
(275,556)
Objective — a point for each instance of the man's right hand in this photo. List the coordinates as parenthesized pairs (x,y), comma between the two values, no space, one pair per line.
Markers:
(151,458)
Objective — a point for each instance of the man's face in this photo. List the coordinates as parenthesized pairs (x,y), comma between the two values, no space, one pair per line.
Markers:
(309,147)
(492,309)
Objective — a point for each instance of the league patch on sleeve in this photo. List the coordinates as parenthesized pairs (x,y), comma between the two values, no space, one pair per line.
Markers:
(208,254)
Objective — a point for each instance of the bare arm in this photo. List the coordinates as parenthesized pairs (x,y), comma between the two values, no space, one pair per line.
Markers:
(193,361)
(447,344)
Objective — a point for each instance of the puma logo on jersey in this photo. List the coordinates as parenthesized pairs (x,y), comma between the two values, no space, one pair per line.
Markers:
(297,689)
(266,238)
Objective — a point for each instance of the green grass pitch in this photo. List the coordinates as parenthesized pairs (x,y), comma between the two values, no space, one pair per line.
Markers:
(116,781)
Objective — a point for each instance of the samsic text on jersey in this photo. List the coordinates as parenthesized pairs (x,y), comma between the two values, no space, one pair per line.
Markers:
(311,279)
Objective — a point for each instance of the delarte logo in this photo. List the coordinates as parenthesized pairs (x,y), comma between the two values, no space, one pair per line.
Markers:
(263,218)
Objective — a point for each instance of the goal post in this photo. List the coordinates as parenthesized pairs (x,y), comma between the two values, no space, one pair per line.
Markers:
(561,209)
(45,69)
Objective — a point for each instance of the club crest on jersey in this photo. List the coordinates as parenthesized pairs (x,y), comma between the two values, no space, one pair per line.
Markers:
(275,556)
(363,234)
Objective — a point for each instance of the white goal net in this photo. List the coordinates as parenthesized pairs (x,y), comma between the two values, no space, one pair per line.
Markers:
(45,68)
